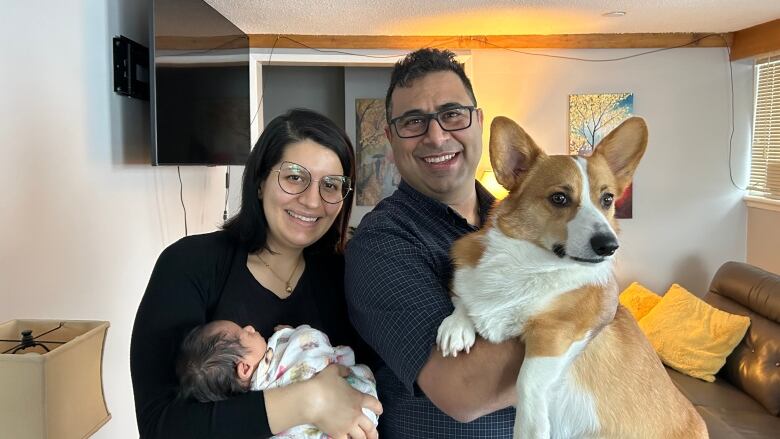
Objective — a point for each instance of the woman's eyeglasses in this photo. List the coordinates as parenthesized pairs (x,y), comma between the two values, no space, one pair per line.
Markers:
(294,179)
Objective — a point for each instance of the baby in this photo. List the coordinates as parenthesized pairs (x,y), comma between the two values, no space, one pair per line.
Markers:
(220,359)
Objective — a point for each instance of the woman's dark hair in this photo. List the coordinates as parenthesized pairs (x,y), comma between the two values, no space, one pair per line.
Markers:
(249,225)
(420,63)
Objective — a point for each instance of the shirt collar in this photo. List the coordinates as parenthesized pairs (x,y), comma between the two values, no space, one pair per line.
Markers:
(485,200)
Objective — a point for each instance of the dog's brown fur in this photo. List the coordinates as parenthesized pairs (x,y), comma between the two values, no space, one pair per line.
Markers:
(634,395)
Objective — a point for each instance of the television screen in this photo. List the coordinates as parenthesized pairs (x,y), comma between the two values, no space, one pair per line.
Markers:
(199,87)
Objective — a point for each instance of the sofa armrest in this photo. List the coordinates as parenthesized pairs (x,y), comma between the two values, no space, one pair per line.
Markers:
(754,365)
(751,287)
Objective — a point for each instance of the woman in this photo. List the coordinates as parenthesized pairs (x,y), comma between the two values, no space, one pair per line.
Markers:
(278,261)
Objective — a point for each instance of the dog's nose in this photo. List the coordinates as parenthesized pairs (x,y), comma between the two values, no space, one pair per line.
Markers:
(604,244)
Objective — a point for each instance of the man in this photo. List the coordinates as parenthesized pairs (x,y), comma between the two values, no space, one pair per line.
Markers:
(398,268)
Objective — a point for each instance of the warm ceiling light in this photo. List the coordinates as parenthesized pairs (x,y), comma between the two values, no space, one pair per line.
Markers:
(614,14)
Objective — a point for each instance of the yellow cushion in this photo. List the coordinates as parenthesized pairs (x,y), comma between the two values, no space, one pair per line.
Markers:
(690,335)
(638,300)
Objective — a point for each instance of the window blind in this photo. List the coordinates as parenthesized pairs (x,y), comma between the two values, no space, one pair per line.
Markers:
(765,150)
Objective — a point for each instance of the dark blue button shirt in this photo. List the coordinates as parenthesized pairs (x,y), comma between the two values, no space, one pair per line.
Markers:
(398,273)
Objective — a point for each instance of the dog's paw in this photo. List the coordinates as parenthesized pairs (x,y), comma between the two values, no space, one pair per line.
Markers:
(456,333)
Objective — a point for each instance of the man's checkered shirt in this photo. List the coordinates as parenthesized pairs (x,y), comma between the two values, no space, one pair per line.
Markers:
(398,273)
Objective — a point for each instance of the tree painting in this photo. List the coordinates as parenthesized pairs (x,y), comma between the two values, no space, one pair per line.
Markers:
(591,117)
(377,176)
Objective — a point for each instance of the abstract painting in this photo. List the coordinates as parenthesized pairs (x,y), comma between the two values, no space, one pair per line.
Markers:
(377,176)
(591,118)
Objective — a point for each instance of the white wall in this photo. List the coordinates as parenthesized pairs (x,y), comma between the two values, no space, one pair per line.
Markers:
(688,218)
(83,214)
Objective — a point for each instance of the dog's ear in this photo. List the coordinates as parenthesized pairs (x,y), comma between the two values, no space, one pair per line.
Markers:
(623,148)
(512,152)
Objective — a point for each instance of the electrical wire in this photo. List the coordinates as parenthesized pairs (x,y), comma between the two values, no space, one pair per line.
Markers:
(262,92)
(227,192)
(181,198)
(211,49)
(621,58)
(731,135)
(483,41)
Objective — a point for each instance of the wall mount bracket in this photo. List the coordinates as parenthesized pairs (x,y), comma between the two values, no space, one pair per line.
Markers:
(131,68)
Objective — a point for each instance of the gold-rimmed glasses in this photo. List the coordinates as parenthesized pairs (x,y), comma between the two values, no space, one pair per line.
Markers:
(294,179)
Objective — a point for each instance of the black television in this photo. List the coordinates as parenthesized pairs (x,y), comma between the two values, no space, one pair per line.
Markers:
(199,94)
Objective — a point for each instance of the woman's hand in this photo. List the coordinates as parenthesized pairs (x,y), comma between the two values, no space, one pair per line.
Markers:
(337,409)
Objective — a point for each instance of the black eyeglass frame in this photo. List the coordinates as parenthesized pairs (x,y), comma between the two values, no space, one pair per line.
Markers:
(434,116)
(343,178)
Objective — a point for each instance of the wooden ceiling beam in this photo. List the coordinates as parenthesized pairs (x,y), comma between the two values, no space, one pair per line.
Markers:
(572,41)
(756,41)
(405,42)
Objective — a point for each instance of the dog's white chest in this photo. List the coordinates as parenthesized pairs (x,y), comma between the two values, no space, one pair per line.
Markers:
(572,411)
(514,281)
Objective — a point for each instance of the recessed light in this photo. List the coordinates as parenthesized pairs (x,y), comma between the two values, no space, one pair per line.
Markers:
(614,14)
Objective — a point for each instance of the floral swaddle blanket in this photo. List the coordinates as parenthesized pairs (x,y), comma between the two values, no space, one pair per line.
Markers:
(298,354)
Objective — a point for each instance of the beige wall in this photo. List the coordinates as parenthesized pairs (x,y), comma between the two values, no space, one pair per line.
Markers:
(763,238)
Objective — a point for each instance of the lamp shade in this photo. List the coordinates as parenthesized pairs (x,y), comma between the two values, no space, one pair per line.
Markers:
(57,394)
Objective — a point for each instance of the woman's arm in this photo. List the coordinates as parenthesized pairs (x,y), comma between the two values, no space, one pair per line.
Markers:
(182,289)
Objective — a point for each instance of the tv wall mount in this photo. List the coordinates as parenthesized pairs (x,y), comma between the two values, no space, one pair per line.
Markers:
(131,68)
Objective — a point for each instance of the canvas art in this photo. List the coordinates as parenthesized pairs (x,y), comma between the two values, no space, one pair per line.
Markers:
(591,118)
(377,176)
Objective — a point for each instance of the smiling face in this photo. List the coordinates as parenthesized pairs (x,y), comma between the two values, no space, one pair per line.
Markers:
(297,221)
(440,164)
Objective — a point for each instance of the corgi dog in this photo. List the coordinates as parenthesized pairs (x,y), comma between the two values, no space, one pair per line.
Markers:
(542,269)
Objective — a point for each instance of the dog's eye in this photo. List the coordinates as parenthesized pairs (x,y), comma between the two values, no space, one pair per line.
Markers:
(559,199)
(607,200)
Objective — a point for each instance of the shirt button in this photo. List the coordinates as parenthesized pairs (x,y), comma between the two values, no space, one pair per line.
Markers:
(777,364)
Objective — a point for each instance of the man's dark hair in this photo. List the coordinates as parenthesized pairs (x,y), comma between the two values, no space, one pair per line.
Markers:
(420,63)
(206,365)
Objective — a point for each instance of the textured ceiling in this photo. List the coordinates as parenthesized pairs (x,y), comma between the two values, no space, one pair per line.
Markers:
(492,17)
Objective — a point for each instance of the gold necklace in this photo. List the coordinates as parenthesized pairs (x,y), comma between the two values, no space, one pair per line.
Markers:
(288,284)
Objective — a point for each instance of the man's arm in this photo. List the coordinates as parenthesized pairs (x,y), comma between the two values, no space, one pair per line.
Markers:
(472,385)
(397,302)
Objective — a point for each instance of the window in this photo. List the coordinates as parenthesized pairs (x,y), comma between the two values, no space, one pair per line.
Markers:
(765,152)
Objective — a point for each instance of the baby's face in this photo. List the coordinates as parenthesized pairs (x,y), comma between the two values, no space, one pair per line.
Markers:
(251,340)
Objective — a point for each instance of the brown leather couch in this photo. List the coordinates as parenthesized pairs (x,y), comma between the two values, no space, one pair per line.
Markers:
(744,400)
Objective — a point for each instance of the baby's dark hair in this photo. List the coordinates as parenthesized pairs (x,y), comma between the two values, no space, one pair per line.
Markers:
(206,365)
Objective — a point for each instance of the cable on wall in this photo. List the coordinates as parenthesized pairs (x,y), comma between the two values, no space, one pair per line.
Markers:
(181,198)
(590,60)
(484,41)
(227,192)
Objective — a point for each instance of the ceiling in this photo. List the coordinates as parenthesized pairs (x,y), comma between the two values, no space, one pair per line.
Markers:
(492,17)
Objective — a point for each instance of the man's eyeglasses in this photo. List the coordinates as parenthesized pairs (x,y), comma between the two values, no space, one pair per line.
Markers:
(415,125)
(294,179)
